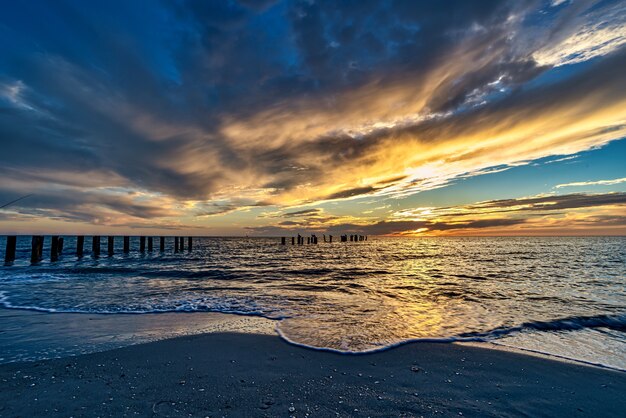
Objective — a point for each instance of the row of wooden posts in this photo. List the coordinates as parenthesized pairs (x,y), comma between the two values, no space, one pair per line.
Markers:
(56,246)
(313,239)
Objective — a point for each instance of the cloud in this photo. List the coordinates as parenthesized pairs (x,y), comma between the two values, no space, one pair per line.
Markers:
(592,183)
(523,215)
(206,108)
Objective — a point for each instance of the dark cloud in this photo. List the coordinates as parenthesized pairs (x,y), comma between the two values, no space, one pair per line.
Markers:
(146,97)
(300,213)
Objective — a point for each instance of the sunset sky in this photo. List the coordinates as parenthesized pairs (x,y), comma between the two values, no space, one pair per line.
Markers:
(259,117)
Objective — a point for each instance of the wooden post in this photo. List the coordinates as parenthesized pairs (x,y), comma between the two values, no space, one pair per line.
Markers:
(181,243)
(111,245)
(60,245)
(95,246)
(126,245)
(9,255)
(283,241)
(54,248)
(330,238)
(175,244)
(162,244)
(80,243)
(142,244)
(189,243)
(293,241)
(35,256)
(150,244)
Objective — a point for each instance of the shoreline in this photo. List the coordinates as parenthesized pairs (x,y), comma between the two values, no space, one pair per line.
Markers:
(236,374)
(141,328)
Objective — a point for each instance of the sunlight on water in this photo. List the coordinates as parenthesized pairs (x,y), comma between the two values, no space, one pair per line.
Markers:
(356,296)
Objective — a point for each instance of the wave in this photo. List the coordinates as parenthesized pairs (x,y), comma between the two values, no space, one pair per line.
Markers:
(573,323)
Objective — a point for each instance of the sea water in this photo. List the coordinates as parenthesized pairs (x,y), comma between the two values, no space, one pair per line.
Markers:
(563,296)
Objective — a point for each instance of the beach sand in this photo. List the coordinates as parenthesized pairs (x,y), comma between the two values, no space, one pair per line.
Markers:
(249,375)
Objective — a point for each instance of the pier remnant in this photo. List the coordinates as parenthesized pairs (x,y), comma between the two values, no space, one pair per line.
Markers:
(54,248)
(283,241)
(110,245)
(60,245)
(162,244)
(80,244)
(175,244)
(330,238)
(95,246)
(36,249)
(9,255)
(150,244)
(142,244)
(181,242)
(189,243)
(126,245)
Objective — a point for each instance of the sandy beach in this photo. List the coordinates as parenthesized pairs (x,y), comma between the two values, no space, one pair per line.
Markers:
(237,375)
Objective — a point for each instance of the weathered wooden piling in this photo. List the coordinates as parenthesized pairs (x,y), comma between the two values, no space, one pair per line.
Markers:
(283,241)
(150,244)
(36,249)
(330,238)
(95,246)
(9,255)
(110,245)
(142,244)
(181,243)
(175,244)
(54,248)
(162,244)
(126,245)
(80,243)
(61,245)
(189,243)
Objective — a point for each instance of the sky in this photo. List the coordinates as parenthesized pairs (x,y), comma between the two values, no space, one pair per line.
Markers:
(261,117)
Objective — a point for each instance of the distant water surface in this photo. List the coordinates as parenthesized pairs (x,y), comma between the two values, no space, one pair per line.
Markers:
(563,296)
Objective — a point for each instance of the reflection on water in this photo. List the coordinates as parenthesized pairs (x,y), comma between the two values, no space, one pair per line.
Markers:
(351,296)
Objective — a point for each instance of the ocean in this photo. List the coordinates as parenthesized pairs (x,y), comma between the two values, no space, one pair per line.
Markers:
(563,296)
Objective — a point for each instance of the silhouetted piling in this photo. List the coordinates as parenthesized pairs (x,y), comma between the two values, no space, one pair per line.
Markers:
(162,244)
(293,241)
(126,245)
(150,244)
(9,255)
(175,244)
(95,246)
(61,245)
(36,249)
(181,242)
(54,248)
(142,244)
(330,238)
(80,243)
(283,241)
(189,243)
(110,245)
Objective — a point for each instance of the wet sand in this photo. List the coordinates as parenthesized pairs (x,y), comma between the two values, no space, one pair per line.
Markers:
(230,374)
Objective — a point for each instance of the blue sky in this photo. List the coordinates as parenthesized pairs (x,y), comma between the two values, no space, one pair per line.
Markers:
(280,117)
